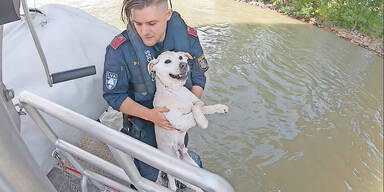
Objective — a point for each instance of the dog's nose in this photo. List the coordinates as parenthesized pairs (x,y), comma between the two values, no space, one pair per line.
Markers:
(183,65)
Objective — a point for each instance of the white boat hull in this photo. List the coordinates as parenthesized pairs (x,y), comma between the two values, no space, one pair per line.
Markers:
(70,39)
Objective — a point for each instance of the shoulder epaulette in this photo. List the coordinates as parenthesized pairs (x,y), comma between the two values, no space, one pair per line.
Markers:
(191,31)
(117,41)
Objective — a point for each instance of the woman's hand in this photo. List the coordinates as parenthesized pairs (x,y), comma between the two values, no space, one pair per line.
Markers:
(159,119)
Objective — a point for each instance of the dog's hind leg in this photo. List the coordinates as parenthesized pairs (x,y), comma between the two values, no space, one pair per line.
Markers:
(194,188)
(174,152)
(171,182)
(188,159)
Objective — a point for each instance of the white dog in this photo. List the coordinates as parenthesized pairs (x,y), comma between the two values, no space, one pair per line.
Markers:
(185,109)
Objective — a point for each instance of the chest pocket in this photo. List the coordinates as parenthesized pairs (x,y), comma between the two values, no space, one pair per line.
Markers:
(139,87)
(143,96)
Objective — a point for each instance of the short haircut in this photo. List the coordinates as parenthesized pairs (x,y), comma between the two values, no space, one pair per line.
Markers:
(128,5)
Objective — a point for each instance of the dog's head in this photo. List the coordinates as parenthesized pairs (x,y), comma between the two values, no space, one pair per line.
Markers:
(171,68)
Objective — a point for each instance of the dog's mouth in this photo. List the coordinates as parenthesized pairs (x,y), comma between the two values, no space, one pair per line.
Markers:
(180,76)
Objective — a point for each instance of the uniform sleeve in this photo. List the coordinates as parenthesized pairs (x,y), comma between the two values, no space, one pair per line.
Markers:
(198,72)
(115,79)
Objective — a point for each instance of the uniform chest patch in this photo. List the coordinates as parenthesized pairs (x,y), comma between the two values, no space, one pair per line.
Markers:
(117,41)
(110,80)
(191,31)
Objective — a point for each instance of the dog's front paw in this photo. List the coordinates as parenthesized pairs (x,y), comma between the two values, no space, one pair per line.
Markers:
(220,108)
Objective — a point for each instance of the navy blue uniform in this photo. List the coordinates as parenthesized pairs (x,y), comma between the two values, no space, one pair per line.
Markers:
(124,76)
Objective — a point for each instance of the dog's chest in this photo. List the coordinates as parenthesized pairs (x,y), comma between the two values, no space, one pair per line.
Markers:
(182,101)
(178,100)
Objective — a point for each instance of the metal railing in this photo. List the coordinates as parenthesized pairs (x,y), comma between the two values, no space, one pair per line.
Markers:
(123,148)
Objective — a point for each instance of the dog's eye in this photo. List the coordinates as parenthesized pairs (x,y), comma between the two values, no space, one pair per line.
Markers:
(180,57)
(167,61)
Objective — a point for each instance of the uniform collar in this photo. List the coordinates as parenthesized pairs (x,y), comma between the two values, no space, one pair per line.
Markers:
(159,46)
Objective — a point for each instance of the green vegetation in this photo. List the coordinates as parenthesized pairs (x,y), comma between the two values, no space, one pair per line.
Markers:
(363,15)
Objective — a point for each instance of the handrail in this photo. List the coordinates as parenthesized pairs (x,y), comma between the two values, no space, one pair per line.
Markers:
(37,42)
(199,177)
(73,74)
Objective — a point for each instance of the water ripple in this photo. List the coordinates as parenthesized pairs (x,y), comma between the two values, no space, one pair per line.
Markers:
(292,99)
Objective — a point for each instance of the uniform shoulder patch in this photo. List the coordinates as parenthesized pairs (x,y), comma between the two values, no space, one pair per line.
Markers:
(117,41)
(203,64)
(110,80)
(191,31)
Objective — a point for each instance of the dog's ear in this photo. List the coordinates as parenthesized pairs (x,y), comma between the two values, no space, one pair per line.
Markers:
(187,55)
(151,65)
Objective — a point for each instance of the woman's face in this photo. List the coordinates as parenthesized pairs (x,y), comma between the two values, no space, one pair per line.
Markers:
(151,23)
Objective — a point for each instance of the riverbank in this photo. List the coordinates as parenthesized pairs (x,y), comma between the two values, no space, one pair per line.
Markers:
(373,44)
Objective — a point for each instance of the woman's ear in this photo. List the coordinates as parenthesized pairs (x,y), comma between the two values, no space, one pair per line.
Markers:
(169,14)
